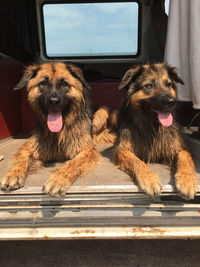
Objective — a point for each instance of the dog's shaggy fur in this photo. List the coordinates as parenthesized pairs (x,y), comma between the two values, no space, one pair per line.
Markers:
(57,93)
(146,132)
(102,130)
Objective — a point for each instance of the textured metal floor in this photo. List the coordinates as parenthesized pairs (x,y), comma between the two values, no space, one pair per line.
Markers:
(105,178)
(104,204)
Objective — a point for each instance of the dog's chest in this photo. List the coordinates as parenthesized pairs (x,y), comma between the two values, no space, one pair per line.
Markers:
(56,148)
(152,146)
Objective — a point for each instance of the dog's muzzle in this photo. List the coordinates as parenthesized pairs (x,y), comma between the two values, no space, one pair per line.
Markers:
(54,102)
(163,105)
(168,102)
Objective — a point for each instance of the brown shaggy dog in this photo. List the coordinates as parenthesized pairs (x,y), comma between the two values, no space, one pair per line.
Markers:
(147,131)
(56,92)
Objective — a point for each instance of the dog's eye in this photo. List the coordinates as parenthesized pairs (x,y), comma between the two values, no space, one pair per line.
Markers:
(64,83)
(43,83)
(168,84)
(148,86)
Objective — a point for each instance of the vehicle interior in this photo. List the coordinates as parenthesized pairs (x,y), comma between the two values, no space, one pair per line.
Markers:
(106,203)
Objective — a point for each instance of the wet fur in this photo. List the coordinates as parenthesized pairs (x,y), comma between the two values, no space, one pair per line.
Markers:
(102,131)
(141,138)
(72,144)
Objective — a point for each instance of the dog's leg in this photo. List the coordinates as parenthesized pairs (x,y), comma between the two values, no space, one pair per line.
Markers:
(16,175)
(100,119)
(147,180)
(185,177)
(102,134)
(105,137)
(63,178)
(113,119)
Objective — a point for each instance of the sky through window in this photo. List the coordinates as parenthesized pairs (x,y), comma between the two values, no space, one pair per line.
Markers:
(91,29)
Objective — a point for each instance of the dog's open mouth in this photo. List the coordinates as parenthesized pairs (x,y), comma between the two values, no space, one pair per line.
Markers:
(54,121)
(165,119)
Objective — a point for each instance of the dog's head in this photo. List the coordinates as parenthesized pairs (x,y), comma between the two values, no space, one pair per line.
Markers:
(52,88)
(153,88)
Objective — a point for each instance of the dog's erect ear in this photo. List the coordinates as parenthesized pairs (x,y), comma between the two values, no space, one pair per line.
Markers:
(173,74)
(130,76)
(29,73)
(78,74)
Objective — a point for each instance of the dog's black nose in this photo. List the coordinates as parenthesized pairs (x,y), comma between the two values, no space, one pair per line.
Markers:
(54,101)
(170,101)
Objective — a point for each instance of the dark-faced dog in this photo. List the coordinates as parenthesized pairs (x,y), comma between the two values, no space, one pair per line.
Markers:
(56,92)
(147,131)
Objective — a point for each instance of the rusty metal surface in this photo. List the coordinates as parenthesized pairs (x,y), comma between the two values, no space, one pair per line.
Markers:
(108,206)
(101,233)
(97,216)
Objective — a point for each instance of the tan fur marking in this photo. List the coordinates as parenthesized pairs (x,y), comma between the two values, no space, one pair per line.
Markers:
(102,130)
(105,136)
(185,177)
(45,69)
(32,95)
(113,119)
(75,94)
(61,71)
(173,92)
(137,97)
(147,180)
(100,119)
(62,179)
(16,175)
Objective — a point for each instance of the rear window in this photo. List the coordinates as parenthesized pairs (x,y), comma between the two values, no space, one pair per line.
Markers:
(91,29)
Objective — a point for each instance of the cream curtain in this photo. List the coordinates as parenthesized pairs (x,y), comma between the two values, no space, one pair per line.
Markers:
(183,47)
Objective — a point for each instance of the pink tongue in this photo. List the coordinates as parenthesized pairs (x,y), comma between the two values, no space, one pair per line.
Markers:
(54,121)
(165,119)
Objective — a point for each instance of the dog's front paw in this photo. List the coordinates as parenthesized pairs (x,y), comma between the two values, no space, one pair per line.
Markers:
(150,184)
(186,185)
(11,182)
(55,186)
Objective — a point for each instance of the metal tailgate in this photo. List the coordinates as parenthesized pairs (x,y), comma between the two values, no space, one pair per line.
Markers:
(104,204)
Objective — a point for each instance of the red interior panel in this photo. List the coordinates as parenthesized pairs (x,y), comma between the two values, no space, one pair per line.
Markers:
(10,114)
(106,94)
(27,114)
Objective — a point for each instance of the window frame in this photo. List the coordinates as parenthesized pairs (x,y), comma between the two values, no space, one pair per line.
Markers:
(91,58)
